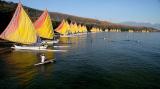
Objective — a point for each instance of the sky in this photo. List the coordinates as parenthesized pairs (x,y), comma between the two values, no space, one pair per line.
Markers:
(147,11)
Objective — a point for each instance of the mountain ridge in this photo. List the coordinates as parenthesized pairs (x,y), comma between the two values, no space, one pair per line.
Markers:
(7,10)
(132,23)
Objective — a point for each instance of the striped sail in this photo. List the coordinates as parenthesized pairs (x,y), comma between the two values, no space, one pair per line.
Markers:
(20,28)
(44,26)
(62,28)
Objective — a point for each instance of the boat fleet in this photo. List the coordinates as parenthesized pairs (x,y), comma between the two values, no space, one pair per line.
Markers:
(27,35)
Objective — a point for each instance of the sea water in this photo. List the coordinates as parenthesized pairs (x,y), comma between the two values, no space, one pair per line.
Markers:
(94,61)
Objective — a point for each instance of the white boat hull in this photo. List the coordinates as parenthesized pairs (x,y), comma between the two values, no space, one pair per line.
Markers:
(61,46)
(67,35)
(51,42)
(29,47)
(80,34)
(41,48)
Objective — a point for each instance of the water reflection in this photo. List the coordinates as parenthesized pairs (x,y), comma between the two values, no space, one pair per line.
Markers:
(21,65)
(73,41)
(64,40)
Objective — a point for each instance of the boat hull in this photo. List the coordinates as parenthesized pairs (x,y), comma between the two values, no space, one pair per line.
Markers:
(67,35)
(50,42)
(29,47)
(46,62)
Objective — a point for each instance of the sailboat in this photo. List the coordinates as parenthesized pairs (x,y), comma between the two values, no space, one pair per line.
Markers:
(72,28)
(21,30)
(84,29)
(44,29)
(75,29)
(64,29)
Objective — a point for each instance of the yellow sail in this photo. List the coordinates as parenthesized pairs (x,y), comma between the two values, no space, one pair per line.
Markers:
(44,26)
(72,28)
(68,30)
(94,29)
(62,28)
(75,28)
(79,28)
(65,29)
(20,28)
(85,29)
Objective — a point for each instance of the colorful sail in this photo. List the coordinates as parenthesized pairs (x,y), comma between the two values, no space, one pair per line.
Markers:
(85,29)
(72,28)
(65,29)
(20,28)
(44,26)
(68,30)
(80,28)
(75,28)
(62,28)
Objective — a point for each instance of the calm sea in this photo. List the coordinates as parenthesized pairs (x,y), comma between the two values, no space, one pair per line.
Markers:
(93,61)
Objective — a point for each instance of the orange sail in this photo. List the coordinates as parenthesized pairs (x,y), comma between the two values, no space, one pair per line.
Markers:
(62,28)
(20,28)
(43,26)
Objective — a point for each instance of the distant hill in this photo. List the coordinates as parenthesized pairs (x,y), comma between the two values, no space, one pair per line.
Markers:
(156,26)
(7,10)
